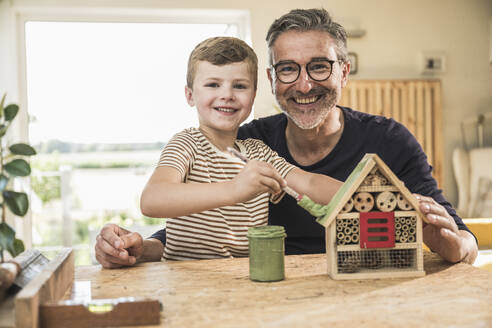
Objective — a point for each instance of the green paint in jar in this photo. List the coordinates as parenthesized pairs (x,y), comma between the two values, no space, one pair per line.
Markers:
(266,253)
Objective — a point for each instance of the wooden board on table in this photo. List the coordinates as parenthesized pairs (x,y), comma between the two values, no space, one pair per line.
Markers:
(48,286)
(47,282)
(127,312)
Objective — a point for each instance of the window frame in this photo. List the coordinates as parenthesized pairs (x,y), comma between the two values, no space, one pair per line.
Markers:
(20,128)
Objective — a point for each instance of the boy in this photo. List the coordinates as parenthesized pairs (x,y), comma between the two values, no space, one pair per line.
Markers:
(211,197)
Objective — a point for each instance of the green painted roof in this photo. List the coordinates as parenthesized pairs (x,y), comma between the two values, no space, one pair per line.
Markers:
(345,191)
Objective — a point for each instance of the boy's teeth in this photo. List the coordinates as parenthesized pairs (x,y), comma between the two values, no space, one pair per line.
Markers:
(305,100)
(227,110)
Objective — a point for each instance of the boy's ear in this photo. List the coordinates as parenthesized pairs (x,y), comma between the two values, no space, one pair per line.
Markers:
(189,96)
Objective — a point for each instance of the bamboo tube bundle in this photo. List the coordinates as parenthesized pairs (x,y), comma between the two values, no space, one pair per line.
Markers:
(340,238)
(347,231)
(397,234)
(405,229)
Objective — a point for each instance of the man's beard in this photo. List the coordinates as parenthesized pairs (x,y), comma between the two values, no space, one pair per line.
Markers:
(313,117)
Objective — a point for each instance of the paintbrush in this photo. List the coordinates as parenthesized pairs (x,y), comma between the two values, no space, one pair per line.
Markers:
(287,189)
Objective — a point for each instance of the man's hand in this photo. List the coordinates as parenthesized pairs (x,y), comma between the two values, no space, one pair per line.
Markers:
(116,247)
(442,235)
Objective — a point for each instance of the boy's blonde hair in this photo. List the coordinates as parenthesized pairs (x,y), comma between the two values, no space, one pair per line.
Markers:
(222,51)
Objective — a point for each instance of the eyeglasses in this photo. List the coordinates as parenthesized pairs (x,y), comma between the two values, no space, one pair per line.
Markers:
(318,70)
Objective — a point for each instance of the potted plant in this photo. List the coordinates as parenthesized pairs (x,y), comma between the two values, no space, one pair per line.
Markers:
(12,165)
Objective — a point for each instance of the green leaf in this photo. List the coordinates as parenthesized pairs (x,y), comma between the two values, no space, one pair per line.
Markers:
(3,182)
(22,149)
(7,236)
(11,111)
(18,167)
(3,129)
(1,104)
(16,248)
(17,202)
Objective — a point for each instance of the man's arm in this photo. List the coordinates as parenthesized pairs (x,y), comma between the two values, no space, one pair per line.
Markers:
(445,234)
(116,247)
(442,235)
(152,251)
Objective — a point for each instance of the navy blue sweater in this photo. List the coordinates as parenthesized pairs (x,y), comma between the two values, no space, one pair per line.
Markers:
(363,133)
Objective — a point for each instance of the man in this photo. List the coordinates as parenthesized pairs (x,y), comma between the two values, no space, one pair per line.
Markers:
(319,136)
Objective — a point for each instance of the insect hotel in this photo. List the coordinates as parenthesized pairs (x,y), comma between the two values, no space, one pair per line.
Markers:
(373,226)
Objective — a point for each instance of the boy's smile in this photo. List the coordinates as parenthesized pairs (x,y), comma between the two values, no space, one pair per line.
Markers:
(223,96)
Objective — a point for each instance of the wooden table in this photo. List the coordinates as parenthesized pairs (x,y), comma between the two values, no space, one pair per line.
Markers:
(218,293)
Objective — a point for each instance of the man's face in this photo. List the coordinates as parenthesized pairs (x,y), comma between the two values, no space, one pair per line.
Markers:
(306,101)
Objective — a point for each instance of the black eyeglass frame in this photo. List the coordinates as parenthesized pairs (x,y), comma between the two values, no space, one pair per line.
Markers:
(299,67)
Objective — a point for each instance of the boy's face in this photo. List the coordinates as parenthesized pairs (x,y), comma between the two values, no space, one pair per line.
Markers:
(223,95)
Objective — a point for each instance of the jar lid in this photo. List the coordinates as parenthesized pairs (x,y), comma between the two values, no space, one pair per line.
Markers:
(267,232)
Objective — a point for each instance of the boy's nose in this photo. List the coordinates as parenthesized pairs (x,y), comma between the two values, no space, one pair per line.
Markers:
(227,93)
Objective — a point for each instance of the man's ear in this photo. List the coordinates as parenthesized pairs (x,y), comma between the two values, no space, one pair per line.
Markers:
(270,78)
(189,96)
(345,73)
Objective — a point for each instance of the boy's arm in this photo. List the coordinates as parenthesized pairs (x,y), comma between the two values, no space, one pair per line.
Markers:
(166,196)
(320,188)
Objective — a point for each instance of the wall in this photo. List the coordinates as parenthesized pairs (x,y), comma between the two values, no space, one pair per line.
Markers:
(397,33)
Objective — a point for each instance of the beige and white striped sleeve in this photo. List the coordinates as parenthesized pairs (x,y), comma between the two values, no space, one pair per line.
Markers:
(179,153)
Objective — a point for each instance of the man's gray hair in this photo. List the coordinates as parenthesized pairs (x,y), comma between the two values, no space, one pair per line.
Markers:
(304,20)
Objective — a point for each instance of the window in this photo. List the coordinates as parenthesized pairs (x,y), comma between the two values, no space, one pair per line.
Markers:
(103,98)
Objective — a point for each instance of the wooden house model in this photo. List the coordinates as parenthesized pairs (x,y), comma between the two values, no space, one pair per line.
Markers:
(373,226)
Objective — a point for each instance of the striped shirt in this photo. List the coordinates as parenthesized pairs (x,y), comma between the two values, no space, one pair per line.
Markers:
(220,232)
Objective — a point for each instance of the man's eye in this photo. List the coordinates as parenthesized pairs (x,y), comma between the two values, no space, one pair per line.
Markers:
(286,69)
(319,67)
(212,85)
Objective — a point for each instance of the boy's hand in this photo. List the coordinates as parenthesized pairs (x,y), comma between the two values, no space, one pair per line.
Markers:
(255,178)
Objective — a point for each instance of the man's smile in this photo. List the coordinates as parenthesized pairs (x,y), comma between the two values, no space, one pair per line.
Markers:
(306,100)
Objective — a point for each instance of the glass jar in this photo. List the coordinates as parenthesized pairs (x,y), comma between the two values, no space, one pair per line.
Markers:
(266,253)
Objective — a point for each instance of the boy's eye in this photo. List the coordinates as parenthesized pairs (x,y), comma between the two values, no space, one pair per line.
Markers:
(240,86)
(212,85)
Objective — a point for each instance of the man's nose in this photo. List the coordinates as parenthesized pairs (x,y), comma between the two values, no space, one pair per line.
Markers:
(304,82)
